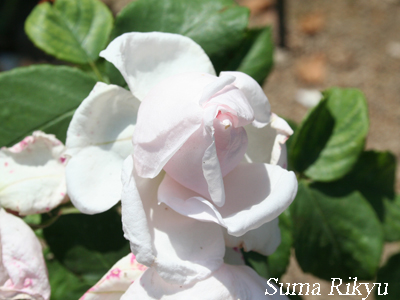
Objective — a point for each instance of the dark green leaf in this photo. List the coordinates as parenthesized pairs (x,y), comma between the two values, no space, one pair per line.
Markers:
(75,31)
(40,97)
(289,142)
(258,262)
(259,60)
(390,275)
(373,176)
(114,75)
(335,236)
(64,284)
(330,139)
(391,224)
(279,260)
(216,25)
(88,245)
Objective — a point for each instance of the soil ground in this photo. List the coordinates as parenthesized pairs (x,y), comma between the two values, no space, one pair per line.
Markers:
(346,44)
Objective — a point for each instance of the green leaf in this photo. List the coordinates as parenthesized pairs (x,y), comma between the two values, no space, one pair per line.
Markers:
(216,25)
(391,224)
(40,97)
(389,274)
(88,245)
(373,176)
(65,285)
(71,30)
(258,262)
(335,236)
(330,139)
(279,260)
(259,60)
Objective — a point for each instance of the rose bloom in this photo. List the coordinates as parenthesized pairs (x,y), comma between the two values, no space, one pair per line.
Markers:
(23,273)
(32,174)
(206,168)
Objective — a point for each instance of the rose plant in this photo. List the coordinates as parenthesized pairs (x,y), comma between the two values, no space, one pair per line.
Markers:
(216,141)
(205,173)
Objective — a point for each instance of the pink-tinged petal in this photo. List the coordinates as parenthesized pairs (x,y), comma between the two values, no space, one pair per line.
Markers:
(134,215)
(98,140)
(213,175)
(232,106)
(117,280)
(255,194)
(22,260)
(168,116)
(145,59)
(214,87)
(181,249)
(205,158)
(264,239)
(227,283)
(283,132)
(216,147)
(267,144)
(32,178)
(255,95)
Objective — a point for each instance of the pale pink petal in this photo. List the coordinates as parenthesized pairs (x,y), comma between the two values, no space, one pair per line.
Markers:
(216,147)
(213,175)
(264,239)
(283,132)
(168,116)
(255,95)
(117,280)
(22,260)
(135,218)
(214,87)
(232,106)
(181,249)
(267,144)
(227,283)
(98,140)
(32,178)
(255,194)
(145,59)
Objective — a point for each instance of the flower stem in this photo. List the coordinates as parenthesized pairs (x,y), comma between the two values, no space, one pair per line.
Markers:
(96,71)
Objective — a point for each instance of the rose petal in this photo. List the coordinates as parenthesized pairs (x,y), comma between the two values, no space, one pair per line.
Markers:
(255,194)
(264,239)
(117,280)
(255,95)
(228,283)
(32,174)
(145,59)
(98,140)
(283,132)
(168,116)
(181,249)
(22,259)
(216,147)
(135,217)
(267,144)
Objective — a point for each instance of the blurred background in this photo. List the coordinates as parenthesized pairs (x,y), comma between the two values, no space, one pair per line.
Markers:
(344,43)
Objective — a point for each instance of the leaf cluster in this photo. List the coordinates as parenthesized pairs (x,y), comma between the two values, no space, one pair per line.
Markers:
(346,208)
